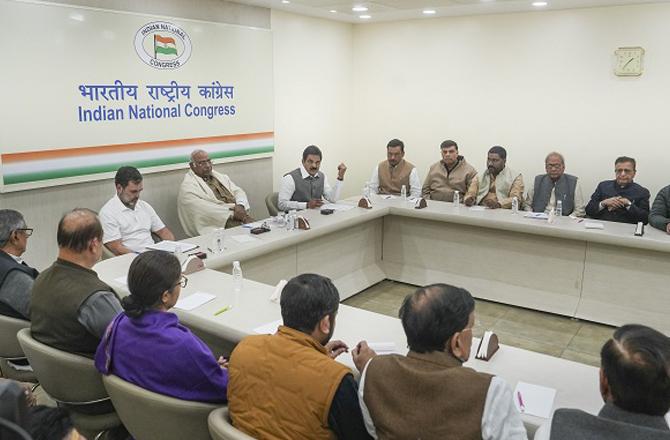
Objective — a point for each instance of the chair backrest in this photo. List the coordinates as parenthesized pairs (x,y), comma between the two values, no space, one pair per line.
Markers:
(9,345)
(149,415)
(272,203)
(66,377)
(10,350)
(220,427)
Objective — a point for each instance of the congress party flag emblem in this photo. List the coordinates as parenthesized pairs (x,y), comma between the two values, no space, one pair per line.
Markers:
(163,45)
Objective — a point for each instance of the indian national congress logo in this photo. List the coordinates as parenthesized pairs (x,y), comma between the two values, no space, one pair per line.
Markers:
(163,45)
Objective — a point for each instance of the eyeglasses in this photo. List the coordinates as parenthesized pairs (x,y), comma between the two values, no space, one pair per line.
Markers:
(203,162)
(27,231)
(183,282)
(553,166)
(624,171)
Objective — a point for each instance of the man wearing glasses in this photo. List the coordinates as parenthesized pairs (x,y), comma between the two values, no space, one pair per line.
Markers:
(16,277)
(209,200)
(620,200)
(555,186)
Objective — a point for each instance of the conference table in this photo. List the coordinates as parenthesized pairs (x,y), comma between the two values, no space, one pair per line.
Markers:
(251,311)
(603,275)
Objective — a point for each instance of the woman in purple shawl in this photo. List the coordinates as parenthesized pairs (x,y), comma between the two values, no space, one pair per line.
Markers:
(147,346)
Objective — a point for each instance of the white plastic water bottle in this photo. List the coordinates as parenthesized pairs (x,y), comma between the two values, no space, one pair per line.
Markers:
(290,220)
(515,205)
(366,190)
(217,240)
(403,192)
(559,208)
(237,276)
(457,198)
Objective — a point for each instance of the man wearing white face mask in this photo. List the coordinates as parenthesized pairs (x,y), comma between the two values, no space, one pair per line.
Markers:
(446,399)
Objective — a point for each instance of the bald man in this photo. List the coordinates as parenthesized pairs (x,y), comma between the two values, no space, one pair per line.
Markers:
(71,307)
(209,200)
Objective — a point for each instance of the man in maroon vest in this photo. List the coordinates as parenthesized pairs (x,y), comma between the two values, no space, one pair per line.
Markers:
(428,394)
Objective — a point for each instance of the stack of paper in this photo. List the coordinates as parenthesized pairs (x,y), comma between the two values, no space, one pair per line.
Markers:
(594,225)
(537,215)
(384,347)
(535,400)
(194,300)
(172,246)
(337,206)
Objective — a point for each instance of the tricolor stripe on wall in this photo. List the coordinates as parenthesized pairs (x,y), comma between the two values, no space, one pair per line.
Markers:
(73,162)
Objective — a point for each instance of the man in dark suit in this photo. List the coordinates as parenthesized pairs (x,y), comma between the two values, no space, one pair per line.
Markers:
(635,385)
(620,200)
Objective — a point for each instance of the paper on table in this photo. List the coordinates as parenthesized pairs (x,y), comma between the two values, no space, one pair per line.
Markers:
(383,347)
(253,225)
(537,215)
(269,328)
(337,206)
(477,208)
(194,300)
(243,238)
(122,280)
(594,225)
(171,246)
(537,400)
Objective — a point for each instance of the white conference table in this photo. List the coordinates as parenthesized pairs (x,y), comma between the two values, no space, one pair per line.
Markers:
(576,384)
(608,276)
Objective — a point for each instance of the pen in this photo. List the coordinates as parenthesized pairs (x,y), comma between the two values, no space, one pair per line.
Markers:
(522,407)
(225,309)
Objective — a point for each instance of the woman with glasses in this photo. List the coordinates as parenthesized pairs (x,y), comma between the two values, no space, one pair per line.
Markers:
(146,345)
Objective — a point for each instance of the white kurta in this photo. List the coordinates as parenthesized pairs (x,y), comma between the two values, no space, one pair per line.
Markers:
(200,212)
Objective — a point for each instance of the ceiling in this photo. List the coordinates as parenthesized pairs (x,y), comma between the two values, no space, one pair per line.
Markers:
(390,10)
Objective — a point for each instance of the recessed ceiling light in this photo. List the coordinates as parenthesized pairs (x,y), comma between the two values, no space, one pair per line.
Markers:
(286,2)
(359,9)
(333,11)
(429,11)
(365,17)
(539,4)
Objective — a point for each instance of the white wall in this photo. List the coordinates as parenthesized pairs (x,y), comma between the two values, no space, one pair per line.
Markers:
(42,208)
(532,82)
(313,93)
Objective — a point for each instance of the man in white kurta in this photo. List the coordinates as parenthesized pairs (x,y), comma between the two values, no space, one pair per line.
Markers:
(208,199)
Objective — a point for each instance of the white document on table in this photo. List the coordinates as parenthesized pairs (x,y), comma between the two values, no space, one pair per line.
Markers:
(337,206)
(122,280)
(243,238)
(537,400)
(194,300)
(477,208)
(594,225)
(537,215)
(172,246)
(268,329)
(384,347)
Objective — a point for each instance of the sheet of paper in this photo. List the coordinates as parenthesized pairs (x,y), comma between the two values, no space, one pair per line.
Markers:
(122,280)
(537,400)
(384,347)
(171,246)
(268,329)
(194,300)
(477,208)
(337,206)
(253,225)
(387,196)
(594,225)
(537,215)
(243,238)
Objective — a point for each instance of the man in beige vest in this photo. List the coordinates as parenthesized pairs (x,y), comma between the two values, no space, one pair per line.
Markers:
(287,385)
(390,175)
(428,394)
(499,185)
(449,175)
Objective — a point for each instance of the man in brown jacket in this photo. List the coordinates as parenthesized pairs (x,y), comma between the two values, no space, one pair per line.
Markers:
(428,394)
(451,174)
(287,385)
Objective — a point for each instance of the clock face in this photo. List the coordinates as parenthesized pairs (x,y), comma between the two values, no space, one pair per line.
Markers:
(628,61)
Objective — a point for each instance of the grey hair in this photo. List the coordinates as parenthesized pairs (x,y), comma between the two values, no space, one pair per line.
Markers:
(194,152)
(10,221)
(555,154)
